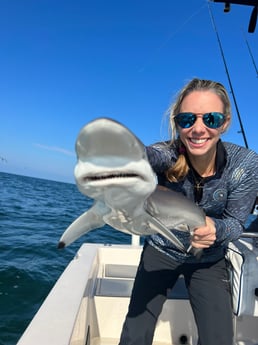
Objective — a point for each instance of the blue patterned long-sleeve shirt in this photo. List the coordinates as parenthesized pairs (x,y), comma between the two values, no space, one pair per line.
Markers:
(227,197)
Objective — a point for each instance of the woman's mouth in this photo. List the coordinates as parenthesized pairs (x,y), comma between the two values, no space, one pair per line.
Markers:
(198,141)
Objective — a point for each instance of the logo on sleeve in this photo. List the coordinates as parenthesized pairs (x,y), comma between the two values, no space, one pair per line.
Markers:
(220,195)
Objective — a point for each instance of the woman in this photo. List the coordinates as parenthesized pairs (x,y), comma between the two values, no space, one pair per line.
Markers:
(222,179)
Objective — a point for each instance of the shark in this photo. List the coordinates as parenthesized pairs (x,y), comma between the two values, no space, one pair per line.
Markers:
(113,169)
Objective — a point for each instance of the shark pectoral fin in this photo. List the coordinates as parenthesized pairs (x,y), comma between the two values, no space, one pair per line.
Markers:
(157,226)
(197,252)
(91,219)
(181,227)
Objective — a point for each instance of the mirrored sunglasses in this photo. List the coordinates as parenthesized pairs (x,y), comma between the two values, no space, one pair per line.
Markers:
(211,120)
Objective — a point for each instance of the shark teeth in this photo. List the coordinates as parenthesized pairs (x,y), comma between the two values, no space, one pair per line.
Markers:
(109,176)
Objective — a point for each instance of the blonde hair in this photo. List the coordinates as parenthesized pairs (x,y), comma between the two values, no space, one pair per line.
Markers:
(180,169)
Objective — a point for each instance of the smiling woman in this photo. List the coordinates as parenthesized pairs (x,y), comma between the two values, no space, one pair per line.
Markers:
(222,178)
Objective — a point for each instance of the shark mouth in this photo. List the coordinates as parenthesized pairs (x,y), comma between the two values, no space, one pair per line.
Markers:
(110,176)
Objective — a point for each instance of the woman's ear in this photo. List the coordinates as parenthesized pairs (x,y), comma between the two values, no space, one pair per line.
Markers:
(225,125)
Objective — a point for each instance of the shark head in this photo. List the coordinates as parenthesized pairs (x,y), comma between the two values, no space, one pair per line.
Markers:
(111,161)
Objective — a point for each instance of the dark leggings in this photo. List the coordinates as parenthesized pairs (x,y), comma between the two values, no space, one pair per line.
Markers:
(209,293)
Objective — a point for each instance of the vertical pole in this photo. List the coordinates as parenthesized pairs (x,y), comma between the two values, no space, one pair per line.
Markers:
(135,240)
(251,55)
(228,76)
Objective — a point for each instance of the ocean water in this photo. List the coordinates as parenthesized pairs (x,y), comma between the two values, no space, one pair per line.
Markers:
(33,215)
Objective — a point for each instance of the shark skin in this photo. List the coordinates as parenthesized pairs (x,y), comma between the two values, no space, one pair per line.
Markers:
(113,169)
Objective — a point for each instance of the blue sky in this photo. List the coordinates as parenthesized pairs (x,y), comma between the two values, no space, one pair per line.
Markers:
(66,62)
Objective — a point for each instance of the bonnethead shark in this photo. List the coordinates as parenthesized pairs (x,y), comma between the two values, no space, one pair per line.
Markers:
(113,169)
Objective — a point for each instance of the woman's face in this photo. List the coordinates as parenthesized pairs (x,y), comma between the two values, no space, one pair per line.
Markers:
(199,139)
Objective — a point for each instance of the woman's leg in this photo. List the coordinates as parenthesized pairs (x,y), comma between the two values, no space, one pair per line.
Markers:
(153,277)
(210,297)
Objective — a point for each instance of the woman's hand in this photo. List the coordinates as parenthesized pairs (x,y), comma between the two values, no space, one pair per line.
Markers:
(205,236)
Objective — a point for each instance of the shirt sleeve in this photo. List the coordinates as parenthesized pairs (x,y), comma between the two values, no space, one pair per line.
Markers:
(243,192)
(160,156)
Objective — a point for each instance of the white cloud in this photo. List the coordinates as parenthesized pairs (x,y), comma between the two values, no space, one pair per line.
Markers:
(55,149)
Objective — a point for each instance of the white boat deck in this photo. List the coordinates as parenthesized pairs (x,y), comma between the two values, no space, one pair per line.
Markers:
(88,304)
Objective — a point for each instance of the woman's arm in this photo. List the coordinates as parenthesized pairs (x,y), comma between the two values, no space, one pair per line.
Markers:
(160,156)
(242,193)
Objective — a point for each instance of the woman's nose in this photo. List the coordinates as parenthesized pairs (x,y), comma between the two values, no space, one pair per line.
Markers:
(199,126)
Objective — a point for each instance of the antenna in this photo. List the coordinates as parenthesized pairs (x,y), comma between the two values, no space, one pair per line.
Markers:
(251,55)
(228,76)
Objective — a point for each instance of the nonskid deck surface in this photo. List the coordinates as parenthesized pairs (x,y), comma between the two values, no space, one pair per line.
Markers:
(98,341)
(109,341)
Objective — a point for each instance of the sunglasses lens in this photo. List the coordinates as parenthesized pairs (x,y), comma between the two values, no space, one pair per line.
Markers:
(185,120)
(214,119)
(211,120)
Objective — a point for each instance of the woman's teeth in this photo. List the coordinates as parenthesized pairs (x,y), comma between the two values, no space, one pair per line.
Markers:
(198,141)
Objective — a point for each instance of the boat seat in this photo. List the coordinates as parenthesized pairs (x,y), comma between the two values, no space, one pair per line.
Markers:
(120,271)
(118,282)
(114,287)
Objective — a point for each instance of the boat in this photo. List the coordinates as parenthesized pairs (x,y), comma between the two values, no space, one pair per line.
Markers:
(88,303)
